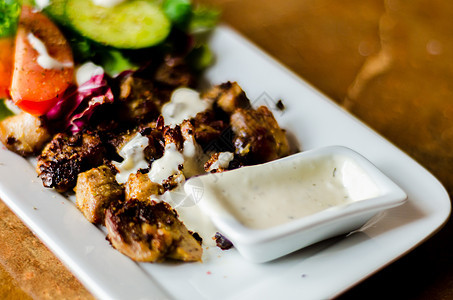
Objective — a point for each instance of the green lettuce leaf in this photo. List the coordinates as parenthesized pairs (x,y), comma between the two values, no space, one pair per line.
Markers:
(4,111)
(9,17)
(203,18)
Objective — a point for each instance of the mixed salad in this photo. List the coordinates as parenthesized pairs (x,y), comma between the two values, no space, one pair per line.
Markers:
(102,91)
(43,42)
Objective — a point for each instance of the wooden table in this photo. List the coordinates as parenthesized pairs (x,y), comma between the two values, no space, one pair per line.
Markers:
(389,62)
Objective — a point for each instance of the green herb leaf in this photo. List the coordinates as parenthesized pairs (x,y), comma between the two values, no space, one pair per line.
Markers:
(114,62)
(4,111)
(83,48)
(9,17)
(178,11)
(200,57)
(203,19)
(27,2)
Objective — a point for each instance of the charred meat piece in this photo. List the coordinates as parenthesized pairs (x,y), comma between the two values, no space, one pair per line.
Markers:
(173,136)
(24,134)
(228,96)
(66,156)
(173,141)
(139,101)
(222,242)
(174,72)
(96,189)
(258,136)
(208,128)
(156,145)
(194,156)
(150,232)
(115,141)
(140,187)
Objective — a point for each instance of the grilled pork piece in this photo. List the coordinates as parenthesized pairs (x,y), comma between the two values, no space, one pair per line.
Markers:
(66,156)
(156,144)
(228,96)
(194,157)
(118,140)
(138,99)
(174,72)
(257,135)
(150,232)
(96,189)
(23,134)
(173,136)
(174,141)
(222,242)
(140,187)
(143,98)
(210,130)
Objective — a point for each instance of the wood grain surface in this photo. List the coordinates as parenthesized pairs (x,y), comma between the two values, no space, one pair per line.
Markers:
(389,62)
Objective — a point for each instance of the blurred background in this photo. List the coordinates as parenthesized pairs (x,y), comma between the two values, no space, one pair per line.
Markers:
(389,62)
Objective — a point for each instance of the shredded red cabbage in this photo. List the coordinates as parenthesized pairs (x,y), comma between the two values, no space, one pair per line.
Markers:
(78,104)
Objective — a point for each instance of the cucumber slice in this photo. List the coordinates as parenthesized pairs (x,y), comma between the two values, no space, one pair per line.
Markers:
(130,25)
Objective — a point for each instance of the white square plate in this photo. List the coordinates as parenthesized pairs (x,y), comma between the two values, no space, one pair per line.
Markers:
(317,272)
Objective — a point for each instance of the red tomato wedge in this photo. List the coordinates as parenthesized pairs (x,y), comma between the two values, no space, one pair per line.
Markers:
(34,88)
(6,65)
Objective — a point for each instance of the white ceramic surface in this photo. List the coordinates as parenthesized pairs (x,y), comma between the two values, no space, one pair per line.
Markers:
(317,272)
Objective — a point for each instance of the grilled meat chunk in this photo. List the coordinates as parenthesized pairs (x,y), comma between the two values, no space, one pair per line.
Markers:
(96,189)
(174,72)
(228,96)
(150,232)
(210,129)
(173,136)
(140,187)
(115,141)
(66,156)
(142,98)
(257,135)
(194,156)
(156,144)
(139,101)
(173,141)
(222,242)
(24,134)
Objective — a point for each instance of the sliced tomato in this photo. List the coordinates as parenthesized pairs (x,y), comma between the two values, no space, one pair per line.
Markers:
(6,65)
(36,88)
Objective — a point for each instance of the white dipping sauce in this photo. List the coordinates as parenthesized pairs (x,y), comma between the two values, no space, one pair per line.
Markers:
(223,161)
(134,158)
(44,59)
(184,104)
(41,4)
(86,71)
(167,165)
(278,192)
